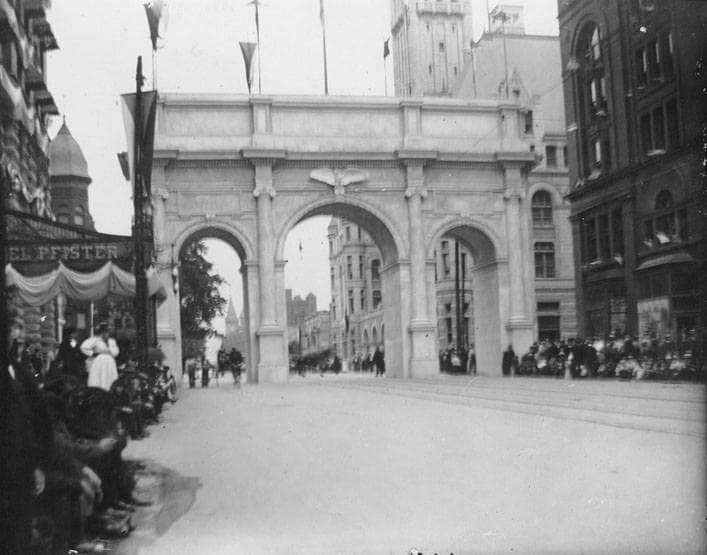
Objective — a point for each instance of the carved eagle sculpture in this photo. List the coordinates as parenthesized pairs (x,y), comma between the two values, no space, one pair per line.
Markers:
(339,178)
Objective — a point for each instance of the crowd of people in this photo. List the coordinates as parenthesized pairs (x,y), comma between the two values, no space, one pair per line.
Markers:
(617,356)
(372,361)
(67,416)
(458,361)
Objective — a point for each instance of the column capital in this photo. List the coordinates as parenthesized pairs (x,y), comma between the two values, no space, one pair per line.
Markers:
(414,176)
(514,194)
(160,193)
(263,164)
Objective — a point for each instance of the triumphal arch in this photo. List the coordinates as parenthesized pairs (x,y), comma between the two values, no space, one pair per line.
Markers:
(409,171)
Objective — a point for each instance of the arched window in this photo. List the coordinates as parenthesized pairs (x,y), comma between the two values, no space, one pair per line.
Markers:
(544,260)
(374,336)
(382,333)
(664,200)
(365,338)
(541,207)
(79,216)
(592,108)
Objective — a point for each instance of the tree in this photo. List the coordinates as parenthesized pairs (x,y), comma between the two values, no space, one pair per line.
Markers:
(201,300)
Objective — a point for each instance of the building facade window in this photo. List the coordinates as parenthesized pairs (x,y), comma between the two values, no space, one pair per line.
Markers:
(551,156)
(544,260)
(541,208)
(349,266)
(361,268)
(377,298)
(593,103)
(363,299)
(655,60)
(375,270)
(351,301)
(667,225)
(79,216)
(602,236)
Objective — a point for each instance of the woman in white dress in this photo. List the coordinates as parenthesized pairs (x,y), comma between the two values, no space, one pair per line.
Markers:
(101,350)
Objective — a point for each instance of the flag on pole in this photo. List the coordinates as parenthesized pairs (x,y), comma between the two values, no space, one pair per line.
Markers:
(256,5)
(247,49)
(154,10)
(386,49)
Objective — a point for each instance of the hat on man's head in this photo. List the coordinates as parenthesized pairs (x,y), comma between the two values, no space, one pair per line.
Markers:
(102,327)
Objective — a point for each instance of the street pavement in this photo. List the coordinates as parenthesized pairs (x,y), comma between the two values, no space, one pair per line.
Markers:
(355,464)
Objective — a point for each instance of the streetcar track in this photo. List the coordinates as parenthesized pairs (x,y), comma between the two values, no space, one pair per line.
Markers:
(558,412)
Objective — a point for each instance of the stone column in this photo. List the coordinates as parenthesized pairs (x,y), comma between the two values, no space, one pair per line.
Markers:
(272,365)
(519,325)
(423,359)
(168,313)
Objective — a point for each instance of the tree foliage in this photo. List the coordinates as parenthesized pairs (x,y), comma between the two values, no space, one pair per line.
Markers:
(201,300)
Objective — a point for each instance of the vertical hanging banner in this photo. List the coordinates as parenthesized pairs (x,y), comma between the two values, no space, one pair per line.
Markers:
(248,49)
(146,134)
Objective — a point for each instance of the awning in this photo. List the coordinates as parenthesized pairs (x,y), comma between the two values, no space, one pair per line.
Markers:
(666,259)
(93,286)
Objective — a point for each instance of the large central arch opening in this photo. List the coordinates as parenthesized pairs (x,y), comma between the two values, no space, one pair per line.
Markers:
(346,303)
(213,314)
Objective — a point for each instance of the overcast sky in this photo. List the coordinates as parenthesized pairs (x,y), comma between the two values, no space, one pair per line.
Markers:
(100,40)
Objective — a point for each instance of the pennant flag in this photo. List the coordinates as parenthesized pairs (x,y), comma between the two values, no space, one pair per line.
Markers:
(147,133)
(386,49)
(154,10)
(247,49)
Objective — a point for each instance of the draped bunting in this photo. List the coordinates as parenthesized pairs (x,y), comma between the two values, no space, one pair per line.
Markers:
(109,279)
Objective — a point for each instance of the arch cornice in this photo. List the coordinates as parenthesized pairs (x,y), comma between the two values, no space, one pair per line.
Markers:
(241,243)
(447,224)
(399,242)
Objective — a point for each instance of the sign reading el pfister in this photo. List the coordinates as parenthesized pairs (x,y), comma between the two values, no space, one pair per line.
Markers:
(35,246)
(83,255)
(83,252)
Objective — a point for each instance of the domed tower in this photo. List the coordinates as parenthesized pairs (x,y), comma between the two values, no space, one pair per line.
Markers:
(68,174)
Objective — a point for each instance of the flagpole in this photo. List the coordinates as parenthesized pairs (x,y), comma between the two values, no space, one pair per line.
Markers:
(326,76)
(257,38)
(385,77)
(154,76)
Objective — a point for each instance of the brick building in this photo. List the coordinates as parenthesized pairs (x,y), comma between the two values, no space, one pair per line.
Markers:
(635,113)
(26,106)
